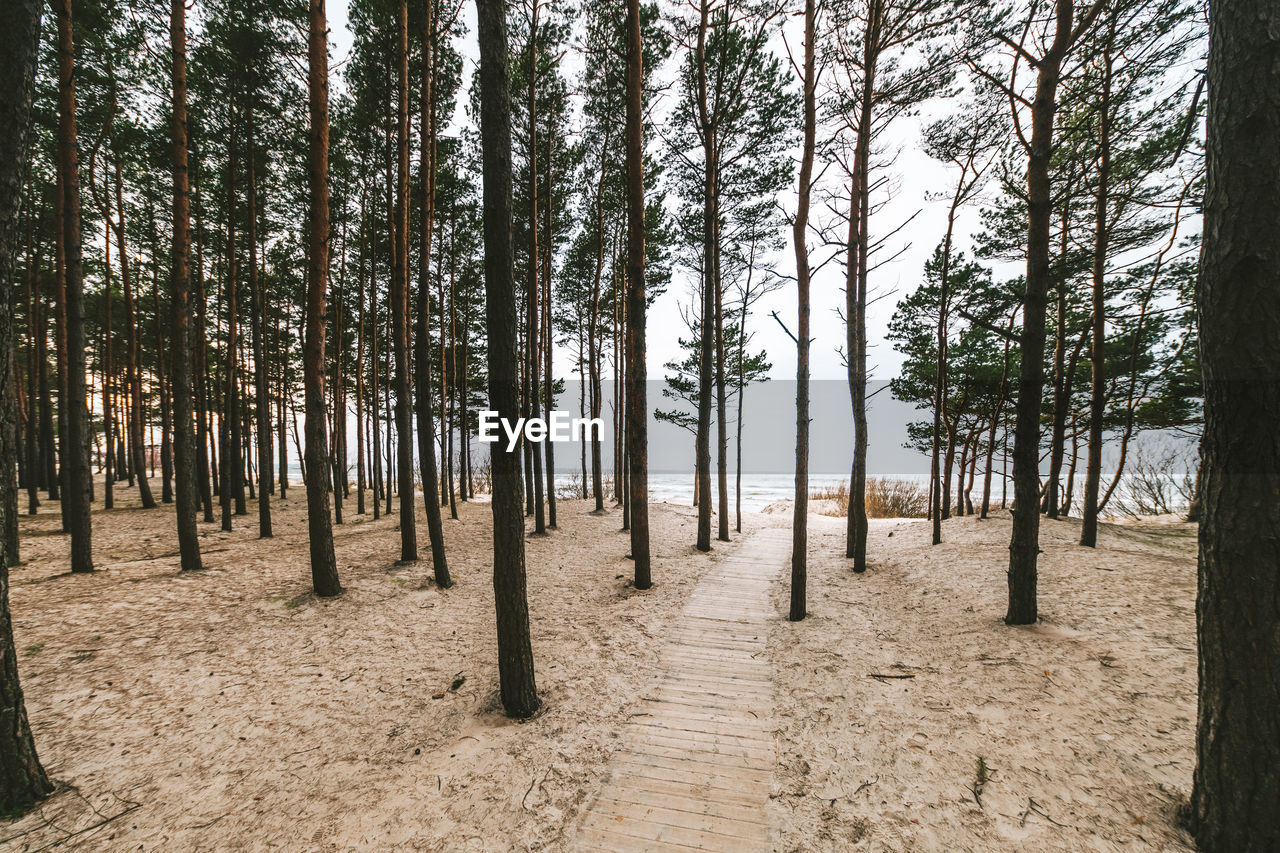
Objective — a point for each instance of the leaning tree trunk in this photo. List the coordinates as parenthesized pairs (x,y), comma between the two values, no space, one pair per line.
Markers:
(75,456)
(187,497)
(1236,786)
(22,780)
(515,652)
(324,568)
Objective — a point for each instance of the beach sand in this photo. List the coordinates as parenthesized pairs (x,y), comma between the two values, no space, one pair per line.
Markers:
(232,710)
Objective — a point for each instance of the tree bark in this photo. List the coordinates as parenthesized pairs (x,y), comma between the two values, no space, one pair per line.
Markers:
(799,240)
(75,456)
(637,397)
(1236,785)
(706,347)
(187,497)
(515,653)
(22,779)
(400,297)
(1098,346)
(262,405)
(324,569)
(533,338)
(426,424)
(1024,544)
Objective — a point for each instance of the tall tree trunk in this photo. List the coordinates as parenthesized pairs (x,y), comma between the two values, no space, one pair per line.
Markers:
(426,423)
(262,404)
(1024,544)
(548,337)
(594,339)
(709,282)
(799,240)
(515,653)
(1098,345)
(1061,379)
(359,364)
(76,453)
(180,303)
(637,376)
(35,326)
(533,338)
(940,380)
(339,466)
(1236,786)
(22,779)
(229,414)
(108,484)
(856,296)
(400,297)
(375,439)
(200,359)
(324,569)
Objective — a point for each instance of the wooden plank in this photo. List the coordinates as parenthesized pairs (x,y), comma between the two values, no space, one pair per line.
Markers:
(695,767)
(652,831)
(708,788)
(745,829)
(677,743)
(591,839)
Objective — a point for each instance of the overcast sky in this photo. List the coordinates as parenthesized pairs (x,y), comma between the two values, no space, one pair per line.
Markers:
(914,175)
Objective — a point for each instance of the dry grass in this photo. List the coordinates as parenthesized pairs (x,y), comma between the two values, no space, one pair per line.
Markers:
(886,498)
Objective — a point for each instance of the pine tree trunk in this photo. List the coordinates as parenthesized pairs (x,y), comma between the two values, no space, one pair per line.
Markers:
(426,423)
(533,338)
(1098,347)
(133,372)
(709,283)
(180,302)
(1024,544)
(324,569)
(75,454)
(856,303)
(548,338)
(400,297)
(515,654)
(22,779)
(359,364)
(1236,784)
(262,405)
(799,240)
(637,377)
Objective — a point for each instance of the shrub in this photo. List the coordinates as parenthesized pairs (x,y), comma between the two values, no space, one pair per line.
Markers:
(886,498)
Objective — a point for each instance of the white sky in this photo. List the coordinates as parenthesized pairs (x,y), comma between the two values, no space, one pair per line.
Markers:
(915,176)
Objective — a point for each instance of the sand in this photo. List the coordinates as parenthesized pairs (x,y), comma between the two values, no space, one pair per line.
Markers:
(1085,722)
(232,710)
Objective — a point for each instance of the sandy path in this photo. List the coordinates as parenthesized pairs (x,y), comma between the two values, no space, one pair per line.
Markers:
(696,768)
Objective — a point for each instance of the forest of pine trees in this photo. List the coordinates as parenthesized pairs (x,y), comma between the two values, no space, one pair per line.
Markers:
(233,265)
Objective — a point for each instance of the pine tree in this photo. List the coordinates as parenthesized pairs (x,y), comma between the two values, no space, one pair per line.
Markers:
(515,654)
(22,779)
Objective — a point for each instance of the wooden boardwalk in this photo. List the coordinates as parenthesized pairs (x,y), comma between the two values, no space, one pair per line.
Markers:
(696,765)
